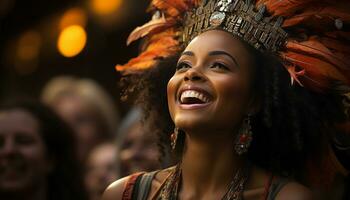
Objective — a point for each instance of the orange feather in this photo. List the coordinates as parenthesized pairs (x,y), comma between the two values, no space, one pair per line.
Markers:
(315,14)
(165,8)
(283,8)
(318,73)
(339,35)
(152,26)
(315,48)
(159,46)
(174,7)
(336,45)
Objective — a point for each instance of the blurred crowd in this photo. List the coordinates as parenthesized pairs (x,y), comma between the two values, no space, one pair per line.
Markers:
(70,143)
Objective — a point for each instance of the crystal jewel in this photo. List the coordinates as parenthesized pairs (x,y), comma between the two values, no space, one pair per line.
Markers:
(217,18)
(338,24)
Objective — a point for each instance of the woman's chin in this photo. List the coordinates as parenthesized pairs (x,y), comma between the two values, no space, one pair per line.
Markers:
(189,122)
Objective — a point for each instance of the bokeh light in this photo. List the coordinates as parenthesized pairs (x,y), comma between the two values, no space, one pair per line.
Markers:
(27,52)
(28,47)
(73,16)
(72,40)
(105,7)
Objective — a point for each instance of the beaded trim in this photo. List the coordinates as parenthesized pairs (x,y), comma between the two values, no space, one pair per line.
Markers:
(234,192)
(239,17)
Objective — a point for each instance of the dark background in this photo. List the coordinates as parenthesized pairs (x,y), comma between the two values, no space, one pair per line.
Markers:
(105,47)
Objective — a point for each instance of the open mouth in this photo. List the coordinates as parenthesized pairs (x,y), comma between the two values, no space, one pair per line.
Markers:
(194,97)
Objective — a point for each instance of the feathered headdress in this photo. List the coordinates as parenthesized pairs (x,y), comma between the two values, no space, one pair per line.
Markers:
(315,53)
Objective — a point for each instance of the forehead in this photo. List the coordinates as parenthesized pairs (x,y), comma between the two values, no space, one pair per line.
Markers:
(214,40)
(18,121)
(101,154)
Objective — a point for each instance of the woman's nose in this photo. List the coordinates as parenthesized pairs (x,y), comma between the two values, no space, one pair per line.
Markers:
(8,147)
(193,75)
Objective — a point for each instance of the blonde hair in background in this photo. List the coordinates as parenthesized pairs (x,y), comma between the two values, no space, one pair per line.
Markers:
(89,91)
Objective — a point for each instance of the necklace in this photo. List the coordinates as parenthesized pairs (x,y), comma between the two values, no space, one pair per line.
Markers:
(234,192)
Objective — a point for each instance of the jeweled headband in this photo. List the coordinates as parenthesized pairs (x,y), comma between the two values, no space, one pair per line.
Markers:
(239,17)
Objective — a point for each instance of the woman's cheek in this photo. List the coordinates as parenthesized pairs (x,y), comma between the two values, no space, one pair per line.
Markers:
(171,93)
(232,94)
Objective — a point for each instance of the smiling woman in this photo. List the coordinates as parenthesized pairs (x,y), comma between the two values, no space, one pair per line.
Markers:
(225,104)
(209,100)
(38,160)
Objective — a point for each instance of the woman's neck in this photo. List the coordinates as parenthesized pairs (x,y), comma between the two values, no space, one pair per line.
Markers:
(208,164)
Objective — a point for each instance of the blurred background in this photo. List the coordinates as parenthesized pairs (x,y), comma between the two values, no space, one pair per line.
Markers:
(64,132)
(86,38)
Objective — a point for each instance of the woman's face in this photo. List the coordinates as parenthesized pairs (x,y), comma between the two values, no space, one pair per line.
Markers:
(210,89)
(102,169)
(23,156)
(138,151)
(82,118)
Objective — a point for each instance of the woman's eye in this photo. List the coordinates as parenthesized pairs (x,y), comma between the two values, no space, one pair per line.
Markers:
(220,66)
(182,65)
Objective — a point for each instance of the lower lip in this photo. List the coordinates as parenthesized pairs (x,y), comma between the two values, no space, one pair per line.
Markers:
(193,106)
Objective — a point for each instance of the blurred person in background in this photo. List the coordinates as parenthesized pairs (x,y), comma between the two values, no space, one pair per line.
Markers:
(87,108)
(138,148)
(37,154)
(102,168)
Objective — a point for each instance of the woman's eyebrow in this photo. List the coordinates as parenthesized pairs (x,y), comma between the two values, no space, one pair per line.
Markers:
(187,53)
(215,53)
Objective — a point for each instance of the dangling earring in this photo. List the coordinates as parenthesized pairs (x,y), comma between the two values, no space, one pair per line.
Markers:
(173,138)
(245,136)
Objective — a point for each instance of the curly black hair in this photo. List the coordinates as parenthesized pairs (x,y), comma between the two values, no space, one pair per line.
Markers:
(289,127)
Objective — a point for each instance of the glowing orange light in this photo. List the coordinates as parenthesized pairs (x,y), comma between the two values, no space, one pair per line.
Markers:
(72,41)
(74,16)
(104,7)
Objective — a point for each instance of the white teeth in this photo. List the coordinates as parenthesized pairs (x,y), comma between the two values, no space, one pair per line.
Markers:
(194,94)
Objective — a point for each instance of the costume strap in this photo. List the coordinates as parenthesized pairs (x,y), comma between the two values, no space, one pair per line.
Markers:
(130,186)
(267,186)
(144,185)
(340,159)
(275,187)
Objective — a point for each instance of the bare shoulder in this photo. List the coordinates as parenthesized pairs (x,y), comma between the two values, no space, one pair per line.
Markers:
(294,191)
(115,190)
